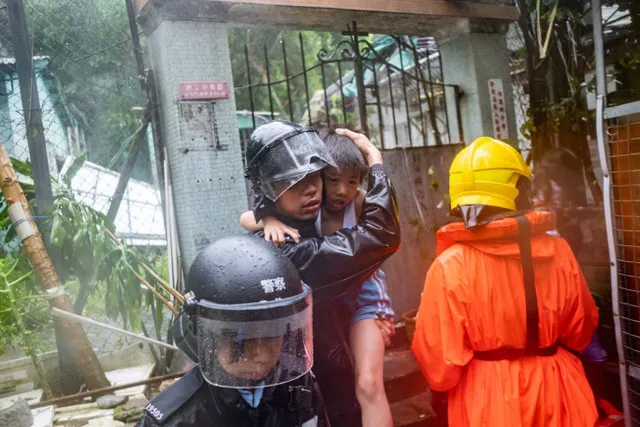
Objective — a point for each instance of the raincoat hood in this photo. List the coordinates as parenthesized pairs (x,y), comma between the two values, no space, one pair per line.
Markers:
(499,237)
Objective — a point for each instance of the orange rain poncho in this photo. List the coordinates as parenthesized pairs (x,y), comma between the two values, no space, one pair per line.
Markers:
(474,300)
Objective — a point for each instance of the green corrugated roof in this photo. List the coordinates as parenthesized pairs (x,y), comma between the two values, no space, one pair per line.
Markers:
(385,47)
(246,122)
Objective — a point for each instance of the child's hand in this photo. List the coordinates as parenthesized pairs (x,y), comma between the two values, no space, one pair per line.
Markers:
(369,151)
(387,329)
(276,232)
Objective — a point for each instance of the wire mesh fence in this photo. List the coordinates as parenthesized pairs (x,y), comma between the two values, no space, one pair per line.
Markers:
(92,105)
(624,152)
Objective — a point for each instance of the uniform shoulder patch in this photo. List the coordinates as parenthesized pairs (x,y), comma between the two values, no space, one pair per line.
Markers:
(169,401)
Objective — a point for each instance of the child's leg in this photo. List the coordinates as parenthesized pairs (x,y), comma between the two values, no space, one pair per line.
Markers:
(367,347)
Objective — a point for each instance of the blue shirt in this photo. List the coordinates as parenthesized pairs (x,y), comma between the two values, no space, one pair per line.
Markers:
(252,396)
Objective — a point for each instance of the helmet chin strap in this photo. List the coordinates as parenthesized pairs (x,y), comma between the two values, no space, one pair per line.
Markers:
(479,215)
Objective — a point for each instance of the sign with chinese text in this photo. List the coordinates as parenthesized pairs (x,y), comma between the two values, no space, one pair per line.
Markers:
(203,90)
(498,109)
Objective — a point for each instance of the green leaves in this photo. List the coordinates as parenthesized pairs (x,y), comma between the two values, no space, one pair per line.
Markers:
(78,230)
(90,262)
(22,168)
(23,298)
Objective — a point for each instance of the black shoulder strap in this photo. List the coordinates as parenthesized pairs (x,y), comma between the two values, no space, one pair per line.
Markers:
(524,241)
(169,401)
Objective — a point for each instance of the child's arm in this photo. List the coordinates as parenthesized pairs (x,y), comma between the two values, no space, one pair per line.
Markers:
(277,232)
(249,223)
(274,230)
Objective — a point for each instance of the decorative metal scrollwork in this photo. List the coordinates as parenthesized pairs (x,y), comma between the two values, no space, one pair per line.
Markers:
(366,49)
(344,48)
(368,52)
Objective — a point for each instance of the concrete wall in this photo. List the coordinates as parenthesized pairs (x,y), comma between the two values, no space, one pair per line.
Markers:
(208,183)
(415,174)
(18,375)
(469,61)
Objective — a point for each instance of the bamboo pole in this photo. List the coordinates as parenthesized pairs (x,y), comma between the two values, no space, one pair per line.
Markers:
(164,284)
(156,293)
(66,399)
(27,230)
(81,319)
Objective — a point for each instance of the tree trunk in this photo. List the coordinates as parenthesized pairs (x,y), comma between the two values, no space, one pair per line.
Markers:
(82,298)
(138,139)
(549,83)
(43,267)
(73,381)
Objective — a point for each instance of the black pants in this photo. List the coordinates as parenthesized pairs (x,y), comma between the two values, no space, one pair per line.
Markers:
(353,419)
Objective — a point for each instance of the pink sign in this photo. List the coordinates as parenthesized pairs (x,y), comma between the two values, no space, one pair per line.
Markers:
(203,90)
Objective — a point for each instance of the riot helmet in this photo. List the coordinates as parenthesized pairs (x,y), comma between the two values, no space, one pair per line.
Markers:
(250,314)
(281,153)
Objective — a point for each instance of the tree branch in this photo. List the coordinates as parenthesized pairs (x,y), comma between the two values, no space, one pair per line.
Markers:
(89,55)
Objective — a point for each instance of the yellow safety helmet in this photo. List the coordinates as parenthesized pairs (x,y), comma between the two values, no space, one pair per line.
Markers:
(486,173)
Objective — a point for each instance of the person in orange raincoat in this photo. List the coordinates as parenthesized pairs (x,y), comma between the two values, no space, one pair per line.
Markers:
(504,304)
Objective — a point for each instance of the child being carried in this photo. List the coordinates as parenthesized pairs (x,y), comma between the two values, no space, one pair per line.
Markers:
(369,305)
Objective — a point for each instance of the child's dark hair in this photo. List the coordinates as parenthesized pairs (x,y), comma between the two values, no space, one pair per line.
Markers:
(345,153)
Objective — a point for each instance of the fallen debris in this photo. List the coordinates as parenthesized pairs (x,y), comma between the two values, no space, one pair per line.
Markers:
(16,415)
(128,415)
(110,401)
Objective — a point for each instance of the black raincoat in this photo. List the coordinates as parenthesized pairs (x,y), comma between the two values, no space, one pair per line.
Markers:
(331,266)
(192,402)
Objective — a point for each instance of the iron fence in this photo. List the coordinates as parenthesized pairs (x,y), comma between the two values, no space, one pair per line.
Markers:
(390,87)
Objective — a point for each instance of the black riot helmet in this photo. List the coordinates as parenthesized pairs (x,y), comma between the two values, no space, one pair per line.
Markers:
(281,153)
(250,314)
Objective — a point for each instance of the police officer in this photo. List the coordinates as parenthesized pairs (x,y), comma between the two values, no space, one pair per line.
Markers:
(284,163)
(250,316)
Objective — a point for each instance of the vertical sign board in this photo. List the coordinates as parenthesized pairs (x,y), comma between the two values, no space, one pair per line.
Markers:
(498,111)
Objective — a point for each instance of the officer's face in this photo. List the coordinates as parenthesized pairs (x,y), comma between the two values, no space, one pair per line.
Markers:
(254,361)
(303,200)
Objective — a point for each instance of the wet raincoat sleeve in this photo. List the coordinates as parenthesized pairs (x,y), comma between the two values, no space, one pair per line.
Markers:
(439,343)
(333,263)
(580,318)
(262,207)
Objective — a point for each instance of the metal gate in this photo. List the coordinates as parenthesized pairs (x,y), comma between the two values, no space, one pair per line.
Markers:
(373,86)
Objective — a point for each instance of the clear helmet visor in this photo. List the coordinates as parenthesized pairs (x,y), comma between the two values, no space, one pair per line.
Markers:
(256,353)
(288,162)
